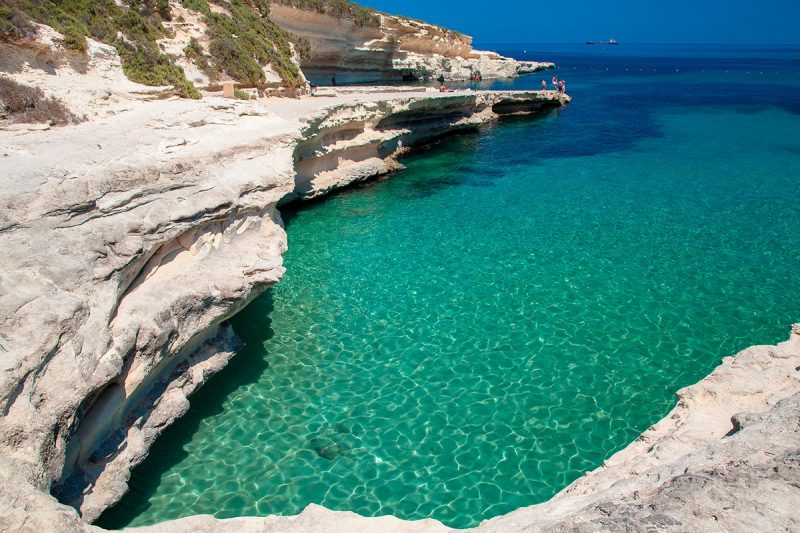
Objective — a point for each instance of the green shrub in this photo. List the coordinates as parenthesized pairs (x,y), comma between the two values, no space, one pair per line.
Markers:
(241,95)
(197,5)
(15,23)
(164,10)
(184,87)
(194,53)
(194,49)
(262,6)
(303,47)
(240,45)
(236,61)
(341,9)
(139,21)
(75,39)
(150,67)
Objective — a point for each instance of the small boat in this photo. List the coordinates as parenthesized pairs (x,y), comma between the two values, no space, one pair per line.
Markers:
(610,41)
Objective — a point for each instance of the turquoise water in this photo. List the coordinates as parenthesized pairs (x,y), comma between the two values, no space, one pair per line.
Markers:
(474,333)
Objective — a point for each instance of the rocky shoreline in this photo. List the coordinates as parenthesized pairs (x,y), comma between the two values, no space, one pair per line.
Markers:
(726,458)
(153,226)
(396,49)
(121,246)
(129,240)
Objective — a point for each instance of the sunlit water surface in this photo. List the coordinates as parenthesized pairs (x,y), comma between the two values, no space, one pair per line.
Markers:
(476,332)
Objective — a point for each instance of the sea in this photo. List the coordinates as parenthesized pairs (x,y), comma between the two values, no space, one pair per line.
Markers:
(473,333)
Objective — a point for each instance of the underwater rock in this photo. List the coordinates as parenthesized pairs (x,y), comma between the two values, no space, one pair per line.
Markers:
(329,451)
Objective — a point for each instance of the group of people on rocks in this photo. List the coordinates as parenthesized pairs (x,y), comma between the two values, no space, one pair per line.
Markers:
(558,85)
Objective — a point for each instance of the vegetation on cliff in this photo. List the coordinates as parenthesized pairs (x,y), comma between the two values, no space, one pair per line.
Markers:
(341,9)
(132,28)
(21,103)
(242,44)
(243,40)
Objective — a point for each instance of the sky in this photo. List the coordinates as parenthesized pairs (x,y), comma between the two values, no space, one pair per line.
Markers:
(629,21)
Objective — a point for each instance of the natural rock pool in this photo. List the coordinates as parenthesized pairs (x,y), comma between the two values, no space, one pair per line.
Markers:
(474,333)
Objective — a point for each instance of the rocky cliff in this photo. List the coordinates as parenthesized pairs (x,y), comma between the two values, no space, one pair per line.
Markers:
(130,238)
(260,45)
(394,49)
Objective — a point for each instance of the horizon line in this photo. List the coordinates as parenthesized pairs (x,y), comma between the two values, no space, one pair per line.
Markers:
(636,42)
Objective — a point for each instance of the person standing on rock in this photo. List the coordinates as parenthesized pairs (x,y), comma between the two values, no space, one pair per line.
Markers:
(562,87)
(555,82)
(544,85)
(333,80)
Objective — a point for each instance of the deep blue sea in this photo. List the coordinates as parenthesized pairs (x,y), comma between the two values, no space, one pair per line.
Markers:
(473,333)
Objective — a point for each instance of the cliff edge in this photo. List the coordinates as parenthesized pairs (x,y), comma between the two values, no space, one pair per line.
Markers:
(129,239)
(390,48)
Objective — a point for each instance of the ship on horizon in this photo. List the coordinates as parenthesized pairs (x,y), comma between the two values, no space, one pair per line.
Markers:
(610,41)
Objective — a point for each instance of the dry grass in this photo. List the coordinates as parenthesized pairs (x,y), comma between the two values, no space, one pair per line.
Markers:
(21,103)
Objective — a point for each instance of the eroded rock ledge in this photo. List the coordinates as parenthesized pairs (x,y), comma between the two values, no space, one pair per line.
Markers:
(396,49)
(129,240)
(129,243)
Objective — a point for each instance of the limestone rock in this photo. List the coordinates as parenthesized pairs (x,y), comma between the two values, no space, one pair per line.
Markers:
(128,241)
(143,253)
(397,49)
(91,84)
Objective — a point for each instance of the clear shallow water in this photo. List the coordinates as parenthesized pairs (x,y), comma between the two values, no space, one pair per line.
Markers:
(474,333)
